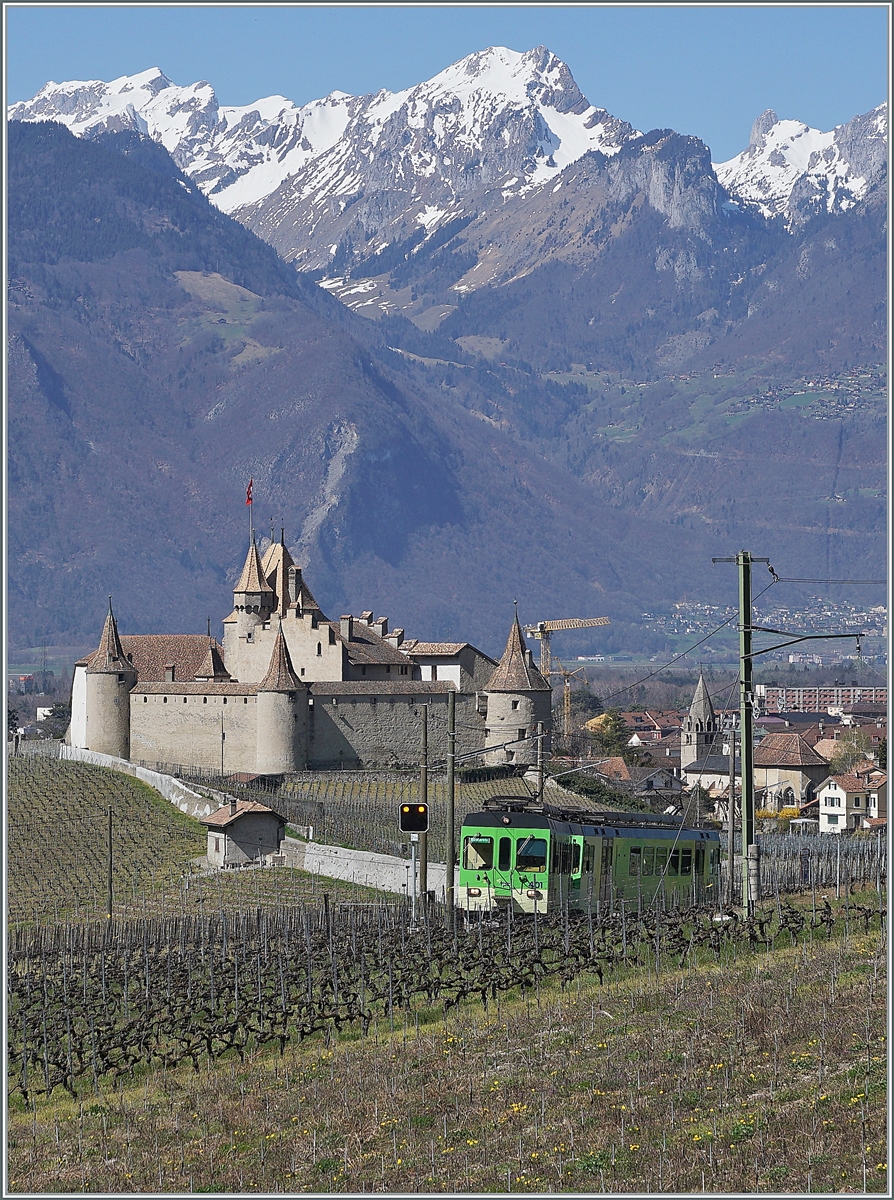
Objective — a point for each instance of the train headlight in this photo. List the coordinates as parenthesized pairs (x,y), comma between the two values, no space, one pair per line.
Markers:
(474,891)
(534,894)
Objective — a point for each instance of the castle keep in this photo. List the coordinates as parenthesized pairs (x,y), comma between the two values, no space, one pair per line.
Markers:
(290,689)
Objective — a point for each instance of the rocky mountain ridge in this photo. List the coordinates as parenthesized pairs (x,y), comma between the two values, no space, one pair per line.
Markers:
(795,173)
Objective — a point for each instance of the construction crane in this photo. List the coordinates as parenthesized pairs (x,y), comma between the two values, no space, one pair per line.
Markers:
(567,676)
(542,630)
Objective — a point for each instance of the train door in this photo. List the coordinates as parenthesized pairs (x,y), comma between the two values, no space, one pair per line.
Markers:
(605,869)
(502,872)
(577,870)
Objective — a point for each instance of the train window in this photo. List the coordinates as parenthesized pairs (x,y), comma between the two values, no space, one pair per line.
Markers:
(530,855)
(575,858)
(636,855)
(686,860)
(648,860)
(661,861)
(479,853)
(505,859)
(588,860)
(715,859)
(699,861)
(673,863)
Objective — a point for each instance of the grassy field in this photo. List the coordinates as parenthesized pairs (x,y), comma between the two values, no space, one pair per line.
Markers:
(763,1074)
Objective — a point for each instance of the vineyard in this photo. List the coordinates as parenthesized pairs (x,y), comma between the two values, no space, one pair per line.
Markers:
(335,1048)
(58,852)
(265,1030)
(58,840)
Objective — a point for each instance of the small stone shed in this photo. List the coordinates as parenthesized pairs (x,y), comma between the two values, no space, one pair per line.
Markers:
(244,832)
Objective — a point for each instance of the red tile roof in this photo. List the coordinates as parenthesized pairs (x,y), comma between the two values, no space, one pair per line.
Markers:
(786,750)
(224,817)
(151,653)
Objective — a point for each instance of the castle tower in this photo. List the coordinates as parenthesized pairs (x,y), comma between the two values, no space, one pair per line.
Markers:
(275,567)
(700,733)
(518,697)
(282,715)
(110,678)
(254,601)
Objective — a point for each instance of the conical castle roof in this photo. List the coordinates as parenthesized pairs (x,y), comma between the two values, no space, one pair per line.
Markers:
(275,569)
(252,578)
(516,672)
(110,655)
(280,675)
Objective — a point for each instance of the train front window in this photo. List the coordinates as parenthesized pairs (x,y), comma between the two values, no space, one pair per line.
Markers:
(531,855)
(479,854)
(505,857)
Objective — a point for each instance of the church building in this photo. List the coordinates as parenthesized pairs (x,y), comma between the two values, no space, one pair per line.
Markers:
(289,689)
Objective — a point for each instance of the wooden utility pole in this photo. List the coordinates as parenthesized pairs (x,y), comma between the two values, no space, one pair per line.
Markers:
(423,799)
(539,760)
(110,862)
(451,789)
(731,829)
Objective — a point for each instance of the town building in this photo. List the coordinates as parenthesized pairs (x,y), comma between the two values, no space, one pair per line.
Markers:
(787,771)
(832,698)
(289,689)
(847,802)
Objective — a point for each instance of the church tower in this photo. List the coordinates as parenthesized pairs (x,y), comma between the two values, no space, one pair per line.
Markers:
(282,715)
(109,680)
(518,697)
(700,735)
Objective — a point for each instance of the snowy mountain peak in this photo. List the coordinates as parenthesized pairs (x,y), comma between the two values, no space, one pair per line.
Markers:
(793,172)
(498,114)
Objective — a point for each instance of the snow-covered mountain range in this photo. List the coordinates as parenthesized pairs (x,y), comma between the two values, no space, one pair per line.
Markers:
(496,118)
(791,171)
(334,183)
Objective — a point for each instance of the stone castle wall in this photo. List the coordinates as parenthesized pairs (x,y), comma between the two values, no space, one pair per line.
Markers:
(386,731)
(189,732)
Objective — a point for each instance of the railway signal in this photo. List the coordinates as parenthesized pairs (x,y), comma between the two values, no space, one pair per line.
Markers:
(413,818)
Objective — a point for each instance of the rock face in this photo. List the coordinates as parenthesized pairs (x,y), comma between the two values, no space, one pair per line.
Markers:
(792,172)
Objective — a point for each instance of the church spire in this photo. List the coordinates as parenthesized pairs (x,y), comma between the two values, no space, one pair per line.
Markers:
(701,710)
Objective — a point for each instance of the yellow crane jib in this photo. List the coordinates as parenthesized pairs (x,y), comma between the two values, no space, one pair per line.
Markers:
(542,630)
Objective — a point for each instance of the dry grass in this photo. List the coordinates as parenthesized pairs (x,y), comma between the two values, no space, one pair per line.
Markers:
(764,1075)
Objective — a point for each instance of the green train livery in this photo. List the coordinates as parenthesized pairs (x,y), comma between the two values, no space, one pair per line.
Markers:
(540,858)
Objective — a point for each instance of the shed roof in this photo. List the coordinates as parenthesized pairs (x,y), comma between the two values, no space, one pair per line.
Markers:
(224,817)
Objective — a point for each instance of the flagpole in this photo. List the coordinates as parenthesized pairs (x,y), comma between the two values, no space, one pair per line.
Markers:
(249,502)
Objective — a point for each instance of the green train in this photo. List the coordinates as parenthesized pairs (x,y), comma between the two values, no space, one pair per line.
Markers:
(539,858)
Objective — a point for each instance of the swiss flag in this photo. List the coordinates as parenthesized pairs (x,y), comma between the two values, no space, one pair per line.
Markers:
(248,491)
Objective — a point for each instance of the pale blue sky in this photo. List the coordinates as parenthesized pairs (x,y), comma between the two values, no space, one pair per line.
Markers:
(707,70)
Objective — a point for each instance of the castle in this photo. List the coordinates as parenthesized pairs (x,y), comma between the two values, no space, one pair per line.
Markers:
(290,689)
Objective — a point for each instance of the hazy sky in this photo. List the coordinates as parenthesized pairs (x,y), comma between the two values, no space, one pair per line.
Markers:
(707,70)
